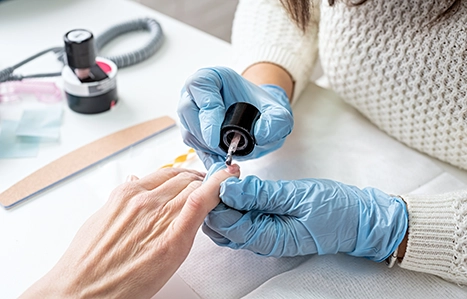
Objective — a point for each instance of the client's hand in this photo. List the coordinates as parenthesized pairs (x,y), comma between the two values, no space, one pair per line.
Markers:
(132,245)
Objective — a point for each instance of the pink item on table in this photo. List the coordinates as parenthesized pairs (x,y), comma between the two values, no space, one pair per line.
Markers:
(47,92)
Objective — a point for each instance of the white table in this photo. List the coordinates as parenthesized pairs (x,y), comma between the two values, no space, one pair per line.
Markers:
(34,235)
(330,140)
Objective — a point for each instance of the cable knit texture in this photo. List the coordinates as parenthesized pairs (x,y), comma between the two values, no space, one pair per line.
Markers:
(404,73)
(407,76)
(438,235)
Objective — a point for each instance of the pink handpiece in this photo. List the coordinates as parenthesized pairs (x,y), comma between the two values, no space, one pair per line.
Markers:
(47,92)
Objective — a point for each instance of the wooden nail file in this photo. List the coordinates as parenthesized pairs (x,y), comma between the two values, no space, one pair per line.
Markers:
(81,159)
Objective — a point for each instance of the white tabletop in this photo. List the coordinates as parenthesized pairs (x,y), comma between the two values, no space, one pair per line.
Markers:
(35,234)
(330,140)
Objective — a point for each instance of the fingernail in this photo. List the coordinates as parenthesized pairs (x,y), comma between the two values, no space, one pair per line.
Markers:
(233,168)
(131,178)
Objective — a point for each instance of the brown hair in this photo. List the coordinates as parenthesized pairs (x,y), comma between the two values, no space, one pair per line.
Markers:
(300,10)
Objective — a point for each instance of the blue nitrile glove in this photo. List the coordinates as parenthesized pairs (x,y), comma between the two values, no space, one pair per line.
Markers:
(290,218)
(205,98)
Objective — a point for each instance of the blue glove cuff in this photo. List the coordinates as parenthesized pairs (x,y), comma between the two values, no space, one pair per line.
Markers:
(403,228)
(382,226)
(278,93)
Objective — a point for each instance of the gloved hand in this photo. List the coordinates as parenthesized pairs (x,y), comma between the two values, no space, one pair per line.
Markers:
(290,218)
(205,98)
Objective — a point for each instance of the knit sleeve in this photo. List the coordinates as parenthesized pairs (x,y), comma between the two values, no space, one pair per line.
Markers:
(437,242)
(263,32)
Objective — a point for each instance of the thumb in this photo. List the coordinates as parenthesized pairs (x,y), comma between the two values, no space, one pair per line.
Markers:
(205,198)
(204,89)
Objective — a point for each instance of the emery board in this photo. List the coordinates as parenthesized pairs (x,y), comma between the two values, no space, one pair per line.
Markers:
(81,159)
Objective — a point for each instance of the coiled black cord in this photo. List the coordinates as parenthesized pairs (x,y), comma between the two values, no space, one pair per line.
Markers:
(153,44)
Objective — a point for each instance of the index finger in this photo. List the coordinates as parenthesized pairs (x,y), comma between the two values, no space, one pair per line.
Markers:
(204,89)
(203,200)
(155,179)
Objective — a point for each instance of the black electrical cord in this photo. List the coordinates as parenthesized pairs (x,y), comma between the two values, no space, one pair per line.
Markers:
(7,74)
(123,60)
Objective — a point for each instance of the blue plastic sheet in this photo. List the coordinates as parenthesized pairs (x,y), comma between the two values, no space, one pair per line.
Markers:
(41,123)
(12,146)
(21,139)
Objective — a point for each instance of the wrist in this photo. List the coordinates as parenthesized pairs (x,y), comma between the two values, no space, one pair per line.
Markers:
(46,287)
(403,245)
(269,73)
(399,253)
(278,93)
(402,248)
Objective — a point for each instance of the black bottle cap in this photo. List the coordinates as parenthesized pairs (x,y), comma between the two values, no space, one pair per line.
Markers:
(239,118)
(79,49)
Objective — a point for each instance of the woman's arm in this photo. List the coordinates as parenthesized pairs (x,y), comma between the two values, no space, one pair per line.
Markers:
(263,33)
(269,73)
(437,238)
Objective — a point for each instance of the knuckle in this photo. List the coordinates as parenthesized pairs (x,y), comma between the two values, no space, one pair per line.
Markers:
(196,200)
(191,79)
(184,103)
(169,171)
(125,190)
(202,76)
(194,185)
(188,175)
(195,78)
(164,247)
(140,201)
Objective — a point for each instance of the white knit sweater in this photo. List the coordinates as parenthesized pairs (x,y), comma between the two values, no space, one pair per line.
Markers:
(406,75)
